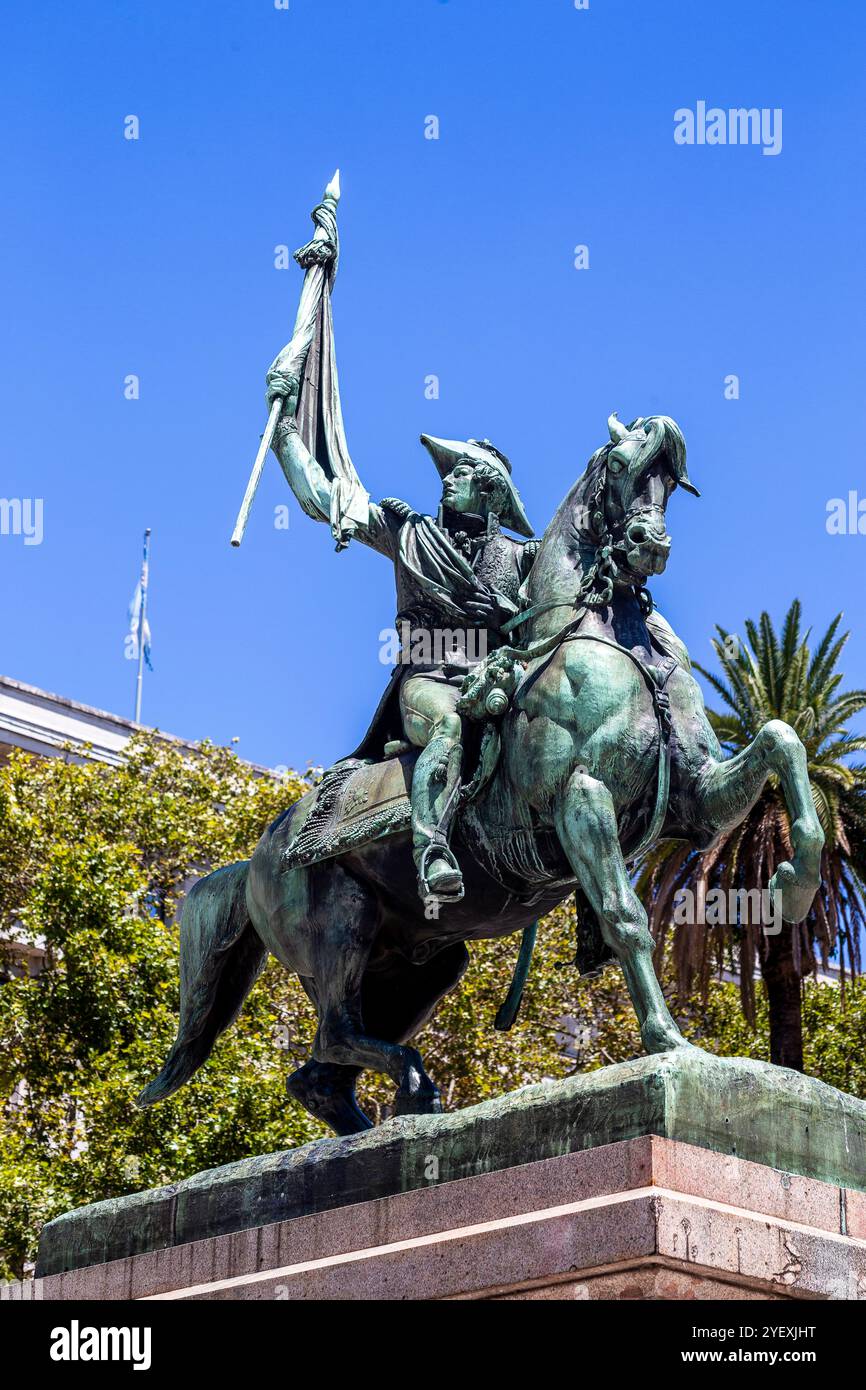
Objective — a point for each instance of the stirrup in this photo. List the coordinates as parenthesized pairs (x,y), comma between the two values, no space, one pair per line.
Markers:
(429,895)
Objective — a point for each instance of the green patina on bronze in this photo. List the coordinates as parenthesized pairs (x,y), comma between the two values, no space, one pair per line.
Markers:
(731,1105)
(499,786)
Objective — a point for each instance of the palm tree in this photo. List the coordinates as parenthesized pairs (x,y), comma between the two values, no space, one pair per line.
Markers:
(774,677)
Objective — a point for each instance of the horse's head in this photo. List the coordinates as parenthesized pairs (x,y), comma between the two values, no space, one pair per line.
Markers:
(621,512)
(609,532)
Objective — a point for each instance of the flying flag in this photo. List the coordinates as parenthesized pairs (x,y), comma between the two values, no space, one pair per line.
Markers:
(309,357)
(135,621)
(139,627)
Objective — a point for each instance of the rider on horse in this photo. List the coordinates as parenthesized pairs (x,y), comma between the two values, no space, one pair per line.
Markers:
(457,580)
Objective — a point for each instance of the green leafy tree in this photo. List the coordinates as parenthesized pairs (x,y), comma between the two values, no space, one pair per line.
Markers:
(774,676)
(93,865)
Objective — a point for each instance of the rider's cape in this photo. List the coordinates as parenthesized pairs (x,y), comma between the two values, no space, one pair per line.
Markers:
(386,726)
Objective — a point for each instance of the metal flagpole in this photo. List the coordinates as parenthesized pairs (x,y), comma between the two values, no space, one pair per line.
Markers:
(142,617)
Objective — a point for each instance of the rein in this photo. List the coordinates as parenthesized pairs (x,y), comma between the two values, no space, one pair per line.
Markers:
(545,644)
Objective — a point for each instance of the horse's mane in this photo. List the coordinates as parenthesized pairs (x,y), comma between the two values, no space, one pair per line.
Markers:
(568,546)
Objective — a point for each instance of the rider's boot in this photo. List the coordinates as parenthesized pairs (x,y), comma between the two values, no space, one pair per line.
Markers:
(435,788)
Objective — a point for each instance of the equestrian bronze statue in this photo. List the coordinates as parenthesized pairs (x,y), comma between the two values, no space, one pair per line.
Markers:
(542,729)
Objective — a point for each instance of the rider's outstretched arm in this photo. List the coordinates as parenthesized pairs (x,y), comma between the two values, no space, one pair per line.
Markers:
(308,480)
(304,475)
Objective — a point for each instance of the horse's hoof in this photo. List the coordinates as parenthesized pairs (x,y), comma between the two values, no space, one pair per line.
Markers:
(795,896)
(405,1104)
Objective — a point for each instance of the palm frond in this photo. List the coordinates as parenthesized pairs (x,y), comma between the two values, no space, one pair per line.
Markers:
(775,677)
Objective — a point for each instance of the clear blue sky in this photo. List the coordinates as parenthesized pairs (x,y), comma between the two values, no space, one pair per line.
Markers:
(155,257)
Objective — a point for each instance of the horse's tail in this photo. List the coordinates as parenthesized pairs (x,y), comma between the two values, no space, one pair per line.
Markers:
(220,958)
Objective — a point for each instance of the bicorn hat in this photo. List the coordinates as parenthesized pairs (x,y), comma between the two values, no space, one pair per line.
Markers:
(446,453)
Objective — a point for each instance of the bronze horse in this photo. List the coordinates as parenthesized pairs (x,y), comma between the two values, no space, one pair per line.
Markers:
(605,749)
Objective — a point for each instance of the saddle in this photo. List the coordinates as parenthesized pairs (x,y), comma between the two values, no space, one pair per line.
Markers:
(360,800)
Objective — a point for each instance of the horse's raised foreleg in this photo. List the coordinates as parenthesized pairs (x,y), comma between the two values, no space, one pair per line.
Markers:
(586,824)
(727,790)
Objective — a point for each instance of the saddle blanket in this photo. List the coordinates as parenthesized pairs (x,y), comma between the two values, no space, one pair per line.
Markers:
(356,801)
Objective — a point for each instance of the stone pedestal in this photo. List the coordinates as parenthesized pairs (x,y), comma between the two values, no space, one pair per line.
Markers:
(676,1177)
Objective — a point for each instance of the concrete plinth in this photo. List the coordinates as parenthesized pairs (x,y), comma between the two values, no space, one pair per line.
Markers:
(631,1220)
(730,1105)
(679,1176)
